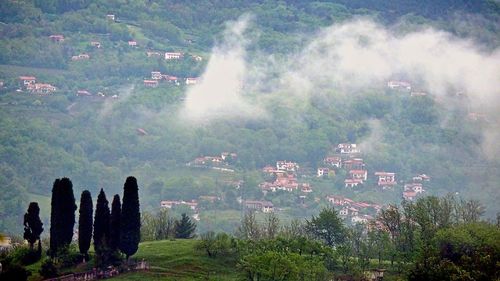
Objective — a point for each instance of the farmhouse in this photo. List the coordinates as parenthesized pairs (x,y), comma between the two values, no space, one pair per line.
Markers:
(83,93)
(334,161)
(95,44)
(57,38)
(193,204)
(396,85)
(353,164)
(80,57)
(347,148)
(339,200)
(349,183)
(41,88)
(132,43)
(153,54)
(287,166)
(27,80)
(359,175)
(173,55)
(386,180)
(151,83)
(156,75)
(322,172)
(191,80)
(263,206)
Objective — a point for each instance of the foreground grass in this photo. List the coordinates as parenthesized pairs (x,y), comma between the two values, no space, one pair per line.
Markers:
(178,260)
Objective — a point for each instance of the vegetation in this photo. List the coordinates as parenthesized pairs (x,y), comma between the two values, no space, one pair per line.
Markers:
(184,228)
(130,225)
(101,231)
(85,223)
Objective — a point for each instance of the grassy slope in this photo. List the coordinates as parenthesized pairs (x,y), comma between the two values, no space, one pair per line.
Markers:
(178,260)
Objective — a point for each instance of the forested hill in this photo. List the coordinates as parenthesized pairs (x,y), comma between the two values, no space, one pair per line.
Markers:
(114,77)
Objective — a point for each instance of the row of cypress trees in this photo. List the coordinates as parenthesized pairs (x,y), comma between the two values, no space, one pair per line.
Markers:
(112,230)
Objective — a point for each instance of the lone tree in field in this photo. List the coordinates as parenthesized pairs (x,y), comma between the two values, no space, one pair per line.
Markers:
(114,227)
(85,223)
(184,228)
(130,232)
(62,216)
(101,230)
(33,226)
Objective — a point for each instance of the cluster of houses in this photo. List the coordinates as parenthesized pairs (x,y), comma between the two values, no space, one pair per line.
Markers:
(355,212)
(29,83)
(284,178)
(157,77)
(415,188)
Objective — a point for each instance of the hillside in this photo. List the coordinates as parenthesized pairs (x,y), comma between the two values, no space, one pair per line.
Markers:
(274,81)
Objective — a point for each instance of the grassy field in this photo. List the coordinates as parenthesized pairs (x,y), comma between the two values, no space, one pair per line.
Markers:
(178,260)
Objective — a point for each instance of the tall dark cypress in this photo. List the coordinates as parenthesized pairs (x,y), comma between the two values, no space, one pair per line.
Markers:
(68,209)
(101,222)
(131,218)
(62,215)
(85,223)
(33,226)
(114,227)
(55,219)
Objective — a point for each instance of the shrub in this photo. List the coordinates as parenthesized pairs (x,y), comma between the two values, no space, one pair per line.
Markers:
(48,269)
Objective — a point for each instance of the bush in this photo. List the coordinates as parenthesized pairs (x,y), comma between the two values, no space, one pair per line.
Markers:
(213,244)
(48,269)
(25,256)
(13,271)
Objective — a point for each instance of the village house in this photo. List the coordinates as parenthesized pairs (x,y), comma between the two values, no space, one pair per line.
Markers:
(27,80)
(151,83)
(83,93)
(132,43)
(110,17)
(57,38)
(268,169)
(353,164)
(306,188)
(197,58)
(153,54)
(322,172)
(263,206)
(41,88)
(156,75)
(420,178)
(228,155)
(417,187)
(358,175)
(333,161)
(193,204)
(191,80)
(349,183)
(361,219)
(409,195)
(386,180)
(339,200)
(399,85)
(287,166)
(173,55)
(171,79)
(95,44)
(80,57)
(348,211)
(347,148)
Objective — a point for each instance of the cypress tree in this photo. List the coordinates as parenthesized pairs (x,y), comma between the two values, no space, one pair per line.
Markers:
(130,234)
(184,228)
(55,219)
(101,230)
(33,226)
(62,216)
(85,223)
(114,228)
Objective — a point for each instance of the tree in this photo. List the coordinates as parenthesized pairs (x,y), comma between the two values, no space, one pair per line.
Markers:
(101,230)
(327,227)
(85,223)
(33,226)
(184,228)
(62,216)
(130,234)
(114,228)
(249,228)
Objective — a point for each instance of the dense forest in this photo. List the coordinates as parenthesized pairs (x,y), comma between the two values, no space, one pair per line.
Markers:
(104,122)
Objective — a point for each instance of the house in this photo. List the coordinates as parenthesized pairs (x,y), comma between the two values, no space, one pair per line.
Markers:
(80,57)
(359,219)
(151,83)
(386,180)
(197,58)
(418,94)
(396,85)
(83,93)
(349,211)
(132,43)
(153,54)
(263,206)
(306,188)
(170,204)
(191,80)
(110,17)
(173,55)
(334,161)
(95,44)
(287,166)
(41,88)
(322,172)
(416,187)
(353,164)
(141,132)
(359,175)
(347,148)
(156,75)
(57,38)
(349,183)
(268,169)
(339,200)
(170,78)
(409,195)
(27,80)
(422,177)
